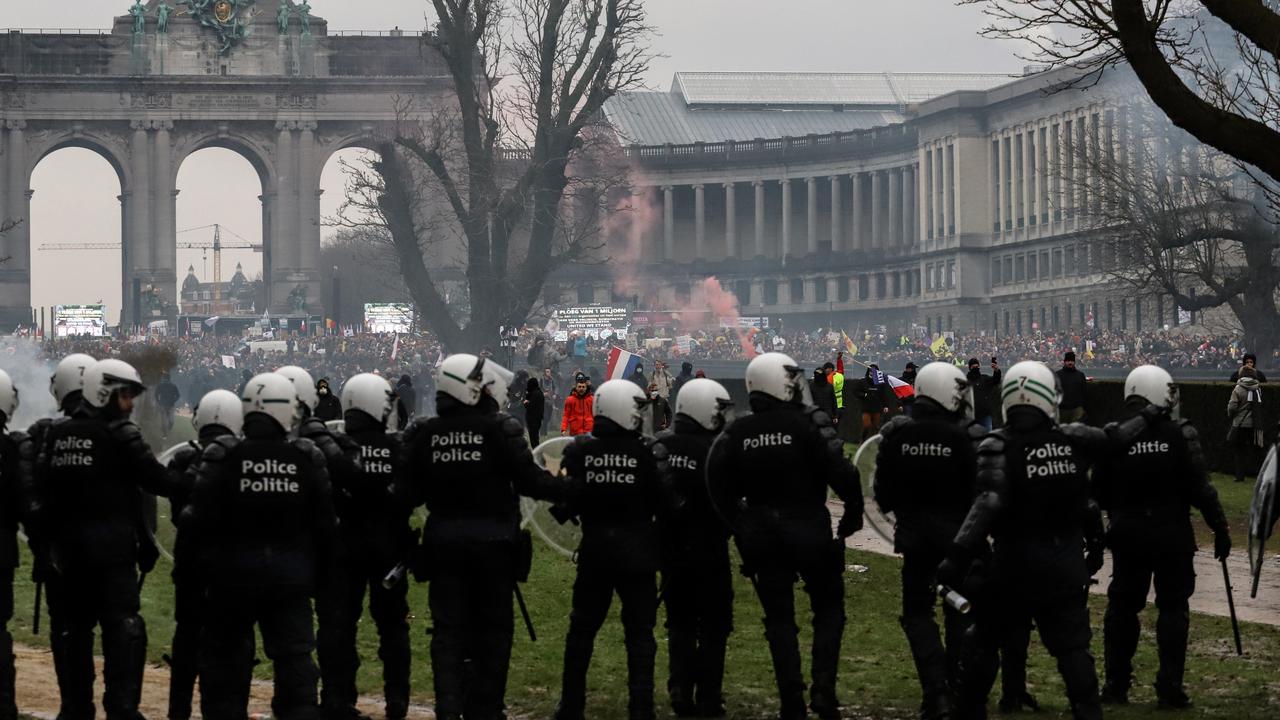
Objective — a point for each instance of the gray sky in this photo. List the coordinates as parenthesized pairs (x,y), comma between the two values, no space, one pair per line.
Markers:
(75,198)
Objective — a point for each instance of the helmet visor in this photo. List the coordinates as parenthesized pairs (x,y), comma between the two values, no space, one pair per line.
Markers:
(800,390)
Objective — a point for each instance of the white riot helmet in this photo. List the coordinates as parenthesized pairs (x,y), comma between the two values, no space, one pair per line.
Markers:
(274,395)
(461,377)
(1031,383)
(370,394)
(106,377)
(221,408)
(705,402)
(623,402)
(1154,385)
(497,380)
(303,384)
(8,396)
(68,377)
(778,376)
(946,385)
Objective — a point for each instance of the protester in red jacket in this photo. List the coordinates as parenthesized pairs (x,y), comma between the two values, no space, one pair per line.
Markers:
(577,418)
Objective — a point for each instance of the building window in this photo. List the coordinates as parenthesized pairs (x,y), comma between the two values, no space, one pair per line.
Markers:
(1111,318)
(928,326)
(1006,322)
(1056,320)
(1043,319)
(1069,314)
(995,272)
(820,290)
(1097,319)
(951,274)
(742,289)
(1019,268)
(1008,268)
(1124,313)
(683,294)
(1070,260)
(897,284)
(1159,311)
(1018,316)
(1057,263)
(1031,268)
(842,289)
(995,323)
(951,324)
(928,275)
(864,288)
(1137,315)
(797,292)
(1082,260)
(880,286)
(770,292)
(586,294)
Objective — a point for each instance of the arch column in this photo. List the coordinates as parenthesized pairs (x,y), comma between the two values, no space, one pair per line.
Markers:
(139,238)
(15,206)
(164,249)
(308,238)
(284,213)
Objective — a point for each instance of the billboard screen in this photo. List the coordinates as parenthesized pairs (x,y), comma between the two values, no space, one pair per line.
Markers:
(388,317)
(79,320)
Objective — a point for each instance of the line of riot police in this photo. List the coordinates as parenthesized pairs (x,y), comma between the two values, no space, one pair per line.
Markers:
(276,511)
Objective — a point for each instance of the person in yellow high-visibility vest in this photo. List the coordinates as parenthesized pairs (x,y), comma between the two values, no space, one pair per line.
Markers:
(835,376)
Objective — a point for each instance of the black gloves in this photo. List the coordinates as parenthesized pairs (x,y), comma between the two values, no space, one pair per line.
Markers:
(955,567)
(1221,543)
(850,523)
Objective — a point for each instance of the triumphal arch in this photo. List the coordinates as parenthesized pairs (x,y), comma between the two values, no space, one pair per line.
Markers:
(264,78)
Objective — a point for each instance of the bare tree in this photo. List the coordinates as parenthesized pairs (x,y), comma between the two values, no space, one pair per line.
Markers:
(492,171)
(1179,219)
(1220,91)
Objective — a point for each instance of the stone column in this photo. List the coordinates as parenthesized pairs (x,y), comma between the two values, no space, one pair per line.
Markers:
(284,239)
(668,223)
(18,240)
(940,220)
(309,212)
(923,191)
(877,241)
(1002,212)
(811,222)
(699,222)
(948,208)
(268,199)
(1028,198)
(758,185)
(786,218)
(165,258)
(857,237)
(894,224)
(730,220)
(138,244)
(908,206)
(837,234)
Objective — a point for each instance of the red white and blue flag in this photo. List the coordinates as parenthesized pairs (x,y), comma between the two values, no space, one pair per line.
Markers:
(901,389)
(621,364)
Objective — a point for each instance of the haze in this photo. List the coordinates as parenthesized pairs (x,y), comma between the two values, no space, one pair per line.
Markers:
(75,190)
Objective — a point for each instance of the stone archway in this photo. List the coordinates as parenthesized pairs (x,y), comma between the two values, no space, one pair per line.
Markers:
(148,96)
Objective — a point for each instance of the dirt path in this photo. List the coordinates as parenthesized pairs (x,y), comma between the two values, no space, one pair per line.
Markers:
(38,692)
(1210,596)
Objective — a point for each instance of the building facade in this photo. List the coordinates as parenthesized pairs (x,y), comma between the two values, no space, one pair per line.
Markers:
(947,201)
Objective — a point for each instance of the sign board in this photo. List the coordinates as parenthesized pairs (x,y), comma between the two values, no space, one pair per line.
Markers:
(71,320)
(745,323)
(388,317)
(594,320)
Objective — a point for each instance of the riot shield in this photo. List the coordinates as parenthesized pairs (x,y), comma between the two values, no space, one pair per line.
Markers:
(164,532)
(865,460)
(1262,517)
(536,514)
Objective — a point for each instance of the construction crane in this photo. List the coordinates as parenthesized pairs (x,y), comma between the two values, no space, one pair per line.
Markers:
(216,245)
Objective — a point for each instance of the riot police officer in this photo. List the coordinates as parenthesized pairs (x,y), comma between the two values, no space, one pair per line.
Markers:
(698,586)
(925,469)
(1033,499)
(374,544)
(89,475)
(261,514)
(16,460)
(1147,493)
(67,387)
(469,466)
(218,413)
(614,491)
(768,475)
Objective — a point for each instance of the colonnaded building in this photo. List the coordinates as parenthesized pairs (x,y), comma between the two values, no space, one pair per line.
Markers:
(944,200)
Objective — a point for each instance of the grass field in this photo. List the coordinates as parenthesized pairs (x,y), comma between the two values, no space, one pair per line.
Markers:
(877,677)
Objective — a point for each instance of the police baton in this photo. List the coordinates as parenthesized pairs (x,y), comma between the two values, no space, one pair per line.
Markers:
(524,613)
(1231,605)
(35,621)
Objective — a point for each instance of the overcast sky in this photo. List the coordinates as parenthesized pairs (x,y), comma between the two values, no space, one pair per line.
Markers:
(75,191)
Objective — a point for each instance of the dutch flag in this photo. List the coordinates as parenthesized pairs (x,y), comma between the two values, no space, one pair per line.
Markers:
(621,364)
(901,389)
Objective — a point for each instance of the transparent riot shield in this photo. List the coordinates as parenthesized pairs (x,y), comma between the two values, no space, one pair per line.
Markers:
(1262,517)
(536,514)
(164,532)
(865,460)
